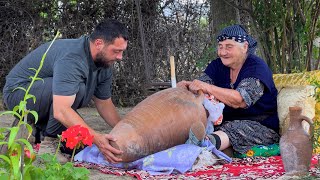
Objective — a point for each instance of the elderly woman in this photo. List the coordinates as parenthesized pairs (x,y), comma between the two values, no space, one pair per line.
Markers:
(243,82)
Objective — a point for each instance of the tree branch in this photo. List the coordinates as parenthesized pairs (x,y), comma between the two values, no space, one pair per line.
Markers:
(241,8)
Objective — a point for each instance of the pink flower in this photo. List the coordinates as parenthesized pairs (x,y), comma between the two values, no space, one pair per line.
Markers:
(29,155)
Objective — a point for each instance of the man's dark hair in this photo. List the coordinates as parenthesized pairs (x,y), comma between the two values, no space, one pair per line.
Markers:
(109,30)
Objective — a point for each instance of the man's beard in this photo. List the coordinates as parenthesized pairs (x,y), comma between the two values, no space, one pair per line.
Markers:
(102,61)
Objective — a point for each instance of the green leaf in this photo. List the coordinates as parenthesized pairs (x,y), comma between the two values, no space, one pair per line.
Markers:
(21,88)
(35,115)
(43,14)
(80,173)
(49,158)
(11,112)
(3,133)
(37,79)
(3,129)
(33,69)
(22,106)
(12,136)
(2,143)
(31,96)
(4,176)
(16,108)
(29,128)
(26,172)
(27,144)
(5,158)
(37,173)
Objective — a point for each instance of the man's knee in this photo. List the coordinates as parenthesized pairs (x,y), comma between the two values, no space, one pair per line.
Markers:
(54,129)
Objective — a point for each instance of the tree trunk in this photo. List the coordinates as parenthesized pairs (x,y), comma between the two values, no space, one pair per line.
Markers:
(221,15)
(315,16)
(143,43)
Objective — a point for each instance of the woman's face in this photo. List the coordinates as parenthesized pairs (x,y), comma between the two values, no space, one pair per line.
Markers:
(232,53)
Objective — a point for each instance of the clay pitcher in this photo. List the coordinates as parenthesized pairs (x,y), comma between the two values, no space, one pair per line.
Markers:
(161,121)
(296,145)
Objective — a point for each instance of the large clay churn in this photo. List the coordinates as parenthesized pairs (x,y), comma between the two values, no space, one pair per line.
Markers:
(159,122)
(296,144)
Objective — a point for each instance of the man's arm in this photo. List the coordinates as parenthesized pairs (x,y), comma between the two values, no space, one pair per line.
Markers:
(107,111)
(63,112)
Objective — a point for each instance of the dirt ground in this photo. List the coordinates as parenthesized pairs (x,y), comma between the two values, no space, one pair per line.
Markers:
(94,120)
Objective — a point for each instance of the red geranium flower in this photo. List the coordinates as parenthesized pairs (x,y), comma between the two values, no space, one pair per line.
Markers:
(77,136)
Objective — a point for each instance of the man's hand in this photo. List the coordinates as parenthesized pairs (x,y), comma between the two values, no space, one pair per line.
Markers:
(109,152)
(68,117)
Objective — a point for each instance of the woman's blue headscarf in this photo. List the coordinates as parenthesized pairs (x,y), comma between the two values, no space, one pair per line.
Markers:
(238,34)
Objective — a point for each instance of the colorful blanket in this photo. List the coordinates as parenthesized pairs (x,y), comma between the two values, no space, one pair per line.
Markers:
(246,168)
(178,159)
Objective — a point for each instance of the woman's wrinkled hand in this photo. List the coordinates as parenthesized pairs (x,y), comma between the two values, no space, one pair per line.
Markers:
(184,84)
(196,85)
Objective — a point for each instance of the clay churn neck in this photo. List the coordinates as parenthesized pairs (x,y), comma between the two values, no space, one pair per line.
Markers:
(295,117)
(295,111)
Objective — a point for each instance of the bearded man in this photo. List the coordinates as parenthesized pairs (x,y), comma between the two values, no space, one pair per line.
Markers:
(74,72)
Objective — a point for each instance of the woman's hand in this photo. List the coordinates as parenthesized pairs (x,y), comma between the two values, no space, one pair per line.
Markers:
(184,84)
(197,85)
